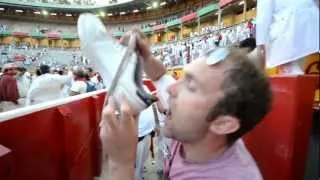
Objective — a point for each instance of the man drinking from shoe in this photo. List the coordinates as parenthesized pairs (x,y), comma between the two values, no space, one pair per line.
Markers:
(221,97)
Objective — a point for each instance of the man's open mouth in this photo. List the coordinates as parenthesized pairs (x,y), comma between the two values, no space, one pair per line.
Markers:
(169,112)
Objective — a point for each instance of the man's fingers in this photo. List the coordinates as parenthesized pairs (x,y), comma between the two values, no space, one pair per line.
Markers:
(106,124)
(109,115)
(124,40)
(142,45)
(139,33)
(126,112)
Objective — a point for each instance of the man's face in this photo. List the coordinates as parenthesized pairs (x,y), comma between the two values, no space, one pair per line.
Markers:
(90,73)
(191,99)
(12,71)
(19,72)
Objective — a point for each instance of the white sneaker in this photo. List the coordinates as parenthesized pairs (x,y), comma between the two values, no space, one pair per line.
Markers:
(106,55)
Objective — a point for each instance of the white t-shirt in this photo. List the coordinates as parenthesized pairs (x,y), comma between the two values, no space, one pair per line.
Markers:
(79,87)
(146,122)
(46,87)
(147,119)
(65,92)
(94,79)
(23,83)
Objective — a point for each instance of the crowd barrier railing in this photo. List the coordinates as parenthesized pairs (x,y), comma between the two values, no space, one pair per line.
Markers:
(280,143)
(58,140)
(55,140)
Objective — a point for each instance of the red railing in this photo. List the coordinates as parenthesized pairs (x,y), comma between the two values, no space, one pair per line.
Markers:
(59,140)
(55,143)
(280,143)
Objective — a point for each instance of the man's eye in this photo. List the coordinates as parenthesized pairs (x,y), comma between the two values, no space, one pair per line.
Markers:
(191,87)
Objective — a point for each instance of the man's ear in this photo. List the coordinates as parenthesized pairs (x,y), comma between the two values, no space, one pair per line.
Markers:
(223,125)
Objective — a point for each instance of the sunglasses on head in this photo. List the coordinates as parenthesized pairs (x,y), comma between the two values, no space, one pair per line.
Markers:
(217,55)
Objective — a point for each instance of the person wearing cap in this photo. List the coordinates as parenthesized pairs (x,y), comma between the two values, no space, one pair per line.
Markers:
(9,94)
(46,87)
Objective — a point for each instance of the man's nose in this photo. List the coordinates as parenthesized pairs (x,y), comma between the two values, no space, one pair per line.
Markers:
(173,89)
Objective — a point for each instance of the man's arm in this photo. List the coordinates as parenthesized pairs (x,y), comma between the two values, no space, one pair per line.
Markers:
(153,68)
(63,79)
(263,21)
(118,171)
(31,92)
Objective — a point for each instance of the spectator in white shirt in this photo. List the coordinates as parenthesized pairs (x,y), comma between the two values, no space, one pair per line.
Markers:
(79,86)
(92,75)
(287,31)
(65,92)
(147,124)
(100,84)
(145,127)
(23,81)
(46,87)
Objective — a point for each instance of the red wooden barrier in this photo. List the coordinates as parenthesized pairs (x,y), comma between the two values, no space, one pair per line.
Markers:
(280,143)
(6,169)
(58,143)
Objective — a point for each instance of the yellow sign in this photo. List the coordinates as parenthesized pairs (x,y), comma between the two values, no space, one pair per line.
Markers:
(179,72)
(311,65)
(176,72)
